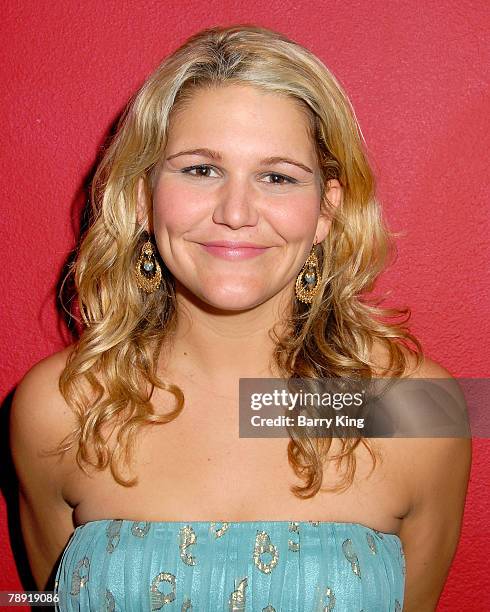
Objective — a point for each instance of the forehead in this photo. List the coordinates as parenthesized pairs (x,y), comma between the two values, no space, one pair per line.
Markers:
(244,116)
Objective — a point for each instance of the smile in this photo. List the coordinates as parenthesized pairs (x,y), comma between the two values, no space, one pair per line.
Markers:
(234,253)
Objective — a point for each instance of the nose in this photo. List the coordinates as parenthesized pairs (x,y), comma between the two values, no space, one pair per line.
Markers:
(235,205)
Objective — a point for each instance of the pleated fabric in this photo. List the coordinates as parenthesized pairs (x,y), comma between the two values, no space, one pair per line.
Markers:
(117,565)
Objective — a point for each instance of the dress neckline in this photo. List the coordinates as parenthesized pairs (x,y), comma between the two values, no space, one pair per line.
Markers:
(244,523)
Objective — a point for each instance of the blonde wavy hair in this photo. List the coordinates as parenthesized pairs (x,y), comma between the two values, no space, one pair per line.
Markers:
(124,329)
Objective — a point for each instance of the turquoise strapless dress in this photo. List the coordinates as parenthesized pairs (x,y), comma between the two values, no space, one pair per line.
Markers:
(252,566)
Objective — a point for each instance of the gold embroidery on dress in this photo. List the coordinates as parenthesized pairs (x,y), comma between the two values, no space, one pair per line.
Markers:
(314,523)
(330,604)
(186,605)
(157,598)
(263,545)
(78,579)
(138,531)
(398,607)
(371,543)
(113,531)
(218,532)
(109,603)
(351,556)
(294,546)
(237,598)
(268,608)
(187,538)
(404,561)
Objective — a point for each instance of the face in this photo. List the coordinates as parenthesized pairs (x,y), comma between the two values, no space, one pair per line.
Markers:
(239,166)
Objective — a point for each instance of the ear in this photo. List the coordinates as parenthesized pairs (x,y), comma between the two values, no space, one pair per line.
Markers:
(143,204)
(334,194)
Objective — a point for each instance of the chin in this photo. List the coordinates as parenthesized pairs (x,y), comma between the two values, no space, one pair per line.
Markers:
(227,294)
(233,301)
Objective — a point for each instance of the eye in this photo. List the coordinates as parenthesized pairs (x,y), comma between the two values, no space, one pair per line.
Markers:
(281,179)
(200,171)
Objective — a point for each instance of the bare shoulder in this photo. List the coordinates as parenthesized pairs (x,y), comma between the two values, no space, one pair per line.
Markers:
(434,458)
(39,420)
(436,473)
(39,414)
(427,453)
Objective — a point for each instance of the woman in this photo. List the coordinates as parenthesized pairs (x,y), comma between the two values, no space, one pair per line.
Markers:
(234,234)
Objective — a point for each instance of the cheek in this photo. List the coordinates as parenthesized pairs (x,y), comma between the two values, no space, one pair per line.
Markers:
(296,218)
(175,208)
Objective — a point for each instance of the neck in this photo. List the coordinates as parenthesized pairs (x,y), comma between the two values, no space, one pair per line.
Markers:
(216,346)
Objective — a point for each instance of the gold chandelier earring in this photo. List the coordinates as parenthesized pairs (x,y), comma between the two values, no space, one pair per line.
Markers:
(147,269)
(308,280)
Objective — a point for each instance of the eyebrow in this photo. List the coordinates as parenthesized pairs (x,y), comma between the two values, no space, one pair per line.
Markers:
(275,159)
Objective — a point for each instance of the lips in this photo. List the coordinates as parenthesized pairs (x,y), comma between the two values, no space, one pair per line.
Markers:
(232,244)
(234,250)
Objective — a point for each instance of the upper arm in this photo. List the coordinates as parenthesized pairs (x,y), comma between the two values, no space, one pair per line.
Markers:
(430,532)
(39,419)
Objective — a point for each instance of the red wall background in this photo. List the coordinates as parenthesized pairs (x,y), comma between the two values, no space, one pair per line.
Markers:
(415,73)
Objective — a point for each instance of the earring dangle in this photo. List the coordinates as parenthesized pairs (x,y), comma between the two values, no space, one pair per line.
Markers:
(308,280)
(147,269)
